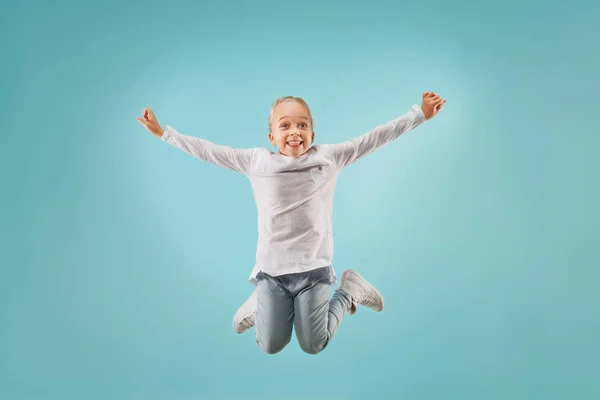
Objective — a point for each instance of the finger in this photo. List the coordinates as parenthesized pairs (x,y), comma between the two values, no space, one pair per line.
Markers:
(151,116)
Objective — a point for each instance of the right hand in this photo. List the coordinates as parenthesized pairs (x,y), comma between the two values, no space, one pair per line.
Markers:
(150,122)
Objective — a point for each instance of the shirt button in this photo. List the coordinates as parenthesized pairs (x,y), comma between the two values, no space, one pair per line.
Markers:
(320,168)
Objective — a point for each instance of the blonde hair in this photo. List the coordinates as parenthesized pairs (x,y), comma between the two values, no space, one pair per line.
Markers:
(290,98)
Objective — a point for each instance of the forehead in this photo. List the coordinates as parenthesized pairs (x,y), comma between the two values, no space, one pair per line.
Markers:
(290,109)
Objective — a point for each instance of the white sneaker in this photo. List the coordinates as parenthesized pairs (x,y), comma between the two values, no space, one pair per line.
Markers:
(361,291)
(244,317)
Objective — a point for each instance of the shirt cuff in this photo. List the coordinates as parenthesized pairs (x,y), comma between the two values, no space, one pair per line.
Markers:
(167,134)
(418,113)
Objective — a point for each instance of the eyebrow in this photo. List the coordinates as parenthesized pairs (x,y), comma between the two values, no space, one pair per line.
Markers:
(288,117)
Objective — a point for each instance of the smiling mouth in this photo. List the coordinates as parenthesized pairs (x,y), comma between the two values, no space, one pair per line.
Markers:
(294,143)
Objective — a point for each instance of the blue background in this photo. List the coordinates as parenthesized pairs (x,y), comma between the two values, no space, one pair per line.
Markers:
(123,259)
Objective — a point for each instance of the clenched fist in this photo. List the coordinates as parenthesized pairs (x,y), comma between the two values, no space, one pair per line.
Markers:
(150,122)
(432,104)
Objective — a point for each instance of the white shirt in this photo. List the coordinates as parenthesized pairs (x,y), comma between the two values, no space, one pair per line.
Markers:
(294,196)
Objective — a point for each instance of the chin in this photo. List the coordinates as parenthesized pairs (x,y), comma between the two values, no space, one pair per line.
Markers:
(293,152)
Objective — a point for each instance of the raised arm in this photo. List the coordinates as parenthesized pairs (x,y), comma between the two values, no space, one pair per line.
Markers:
(238,160)
(346,153)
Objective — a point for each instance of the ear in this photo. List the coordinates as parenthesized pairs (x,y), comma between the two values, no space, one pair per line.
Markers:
(272,139)
(313,137)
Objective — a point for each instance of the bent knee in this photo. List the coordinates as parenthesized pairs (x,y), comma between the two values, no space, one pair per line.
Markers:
(271,349)
(313,346)
(272,346)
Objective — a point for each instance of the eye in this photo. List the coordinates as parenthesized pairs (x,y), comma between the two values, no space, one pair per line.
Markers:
(304,125)
(283,125)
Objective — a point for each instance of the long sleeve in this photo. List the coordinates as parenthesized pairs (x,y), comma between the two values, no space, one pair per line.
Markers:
(238,160)
(345,153)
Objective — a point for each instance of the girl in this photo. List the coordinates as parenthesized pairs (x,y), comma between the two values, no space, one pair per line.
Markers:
(293,190)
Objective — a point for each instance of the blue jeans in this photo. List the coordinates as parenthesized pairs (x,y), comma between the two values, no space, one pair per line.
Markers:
(300,300)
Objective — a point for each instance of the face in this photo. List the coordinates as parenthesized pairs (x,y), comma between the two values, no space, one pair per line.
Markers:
(291,130)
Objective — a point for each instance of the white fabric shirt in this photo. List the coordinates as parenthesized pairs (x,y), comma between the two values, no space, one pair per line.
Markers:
(294,196)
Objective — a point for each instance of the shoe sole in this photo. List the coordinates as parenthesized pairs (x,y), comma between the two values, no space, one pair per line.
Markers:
(239,326)
(359,276)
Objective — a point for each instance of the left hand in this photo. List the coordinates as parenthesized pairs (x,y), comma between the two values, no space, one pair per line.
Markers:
(432,104)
